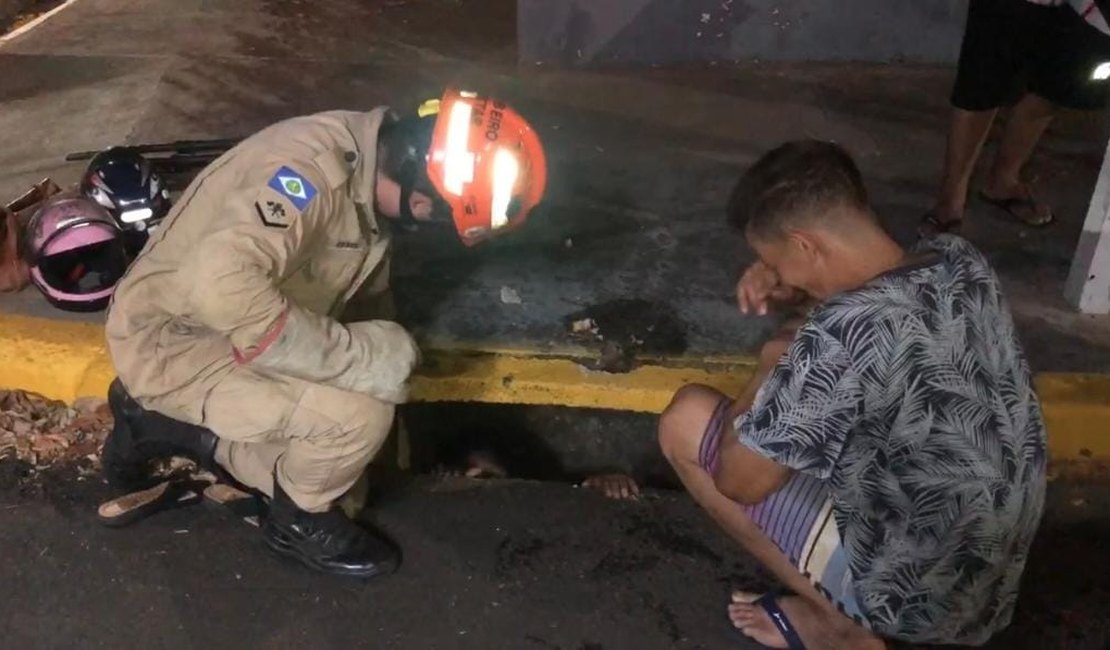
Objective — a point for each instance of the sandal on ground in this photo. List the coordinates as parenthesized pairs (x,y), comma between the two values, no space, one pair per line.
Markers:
(931,225)
(1013,205)
(136,506)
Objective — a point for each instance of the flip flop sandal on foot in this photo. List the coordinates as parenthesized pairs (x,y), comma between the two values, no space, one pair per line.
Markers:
(135,506)
(1010,205)
(931,225)
(230,499)
(769,603)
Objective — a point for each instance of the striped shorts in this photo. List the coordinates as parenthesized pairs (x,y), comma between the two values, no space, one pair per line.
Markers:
(799,520)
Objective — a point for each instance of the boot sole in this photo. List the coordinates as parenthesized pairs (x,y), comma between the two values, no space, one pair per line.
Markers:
(282,547)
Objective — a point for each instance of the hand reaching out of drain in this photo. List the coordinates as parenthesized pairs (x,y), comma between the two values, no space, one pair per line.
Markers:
(614,486)
(485,465)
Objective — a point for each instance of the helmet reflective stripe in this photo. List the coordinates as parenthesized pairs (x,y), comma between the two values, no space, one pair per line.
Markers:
(131,216)
(458,163)
(506,169)
(485,163)
(430,107)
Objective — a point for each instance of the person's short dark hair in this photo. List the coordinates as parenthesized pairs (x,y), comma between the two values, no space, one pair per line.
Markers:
(794,183)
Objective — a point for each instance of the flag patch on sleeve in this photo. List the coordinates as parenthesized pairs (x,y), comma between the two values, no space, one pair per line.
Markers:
(293,186)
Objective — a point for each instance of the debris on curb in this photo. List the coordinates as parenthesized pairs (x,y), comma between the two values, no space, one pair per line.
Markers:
(44,432)
(585,326)
(623,329)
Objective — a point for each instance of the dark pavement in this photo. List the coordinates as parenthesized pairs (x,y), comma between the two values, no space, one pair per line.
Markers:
(487,565)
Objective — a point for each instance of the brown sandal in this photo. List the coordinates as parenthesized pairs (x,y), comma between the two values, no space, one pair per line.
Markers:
(135,506)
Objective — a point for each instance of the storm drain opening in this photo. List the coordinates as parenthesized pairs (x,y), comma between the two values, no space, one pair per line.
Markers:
(546,443)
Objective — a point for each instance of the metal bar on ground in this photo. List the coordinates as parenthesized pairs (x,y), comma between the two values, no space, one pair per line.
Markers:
(184,147)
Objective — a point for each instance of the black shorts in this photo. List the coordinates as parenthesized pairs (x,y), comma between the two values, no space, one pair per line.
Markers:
(1012,47)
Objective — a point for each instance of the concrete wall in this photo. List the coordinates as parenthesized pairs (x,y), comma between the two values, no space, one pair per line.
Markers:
(583,32)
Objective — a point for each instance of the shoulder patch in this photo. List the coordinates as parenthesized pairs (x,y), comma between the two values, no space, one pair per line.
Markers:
(272,213)
(293,186)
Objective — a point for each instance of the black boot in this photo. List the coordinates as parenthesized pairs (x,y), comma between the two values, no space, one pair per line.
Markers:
(327,541)
(139,436)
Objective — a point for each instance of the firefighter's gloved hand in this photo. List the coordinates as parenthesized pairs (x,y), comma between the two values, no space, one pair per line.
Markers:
(393,355)
(371,357)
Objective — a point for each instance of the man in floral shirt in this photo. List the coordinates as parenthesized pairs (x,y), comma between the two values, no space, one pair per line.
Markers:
(888,463)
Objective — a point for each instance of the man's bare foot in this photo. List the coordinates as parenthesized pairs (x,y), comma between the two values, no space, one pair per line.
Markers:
(819,629)
(754,622)
(614,486)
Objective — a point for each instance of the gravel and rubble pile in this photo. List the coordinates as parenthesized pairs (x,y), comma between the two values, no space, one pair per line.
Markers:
(43,432)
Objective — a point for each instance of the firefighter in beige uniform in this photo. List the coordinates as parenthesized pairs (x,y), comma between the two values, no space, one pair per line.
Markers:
(224,332)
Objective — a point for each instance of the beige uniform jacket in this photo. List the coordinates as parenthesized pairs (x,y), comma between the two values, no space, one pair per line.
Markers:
(255,264)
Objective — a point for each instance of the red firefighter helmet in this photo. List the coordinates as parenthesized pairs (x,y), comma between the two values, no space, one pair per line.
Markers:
(485,162)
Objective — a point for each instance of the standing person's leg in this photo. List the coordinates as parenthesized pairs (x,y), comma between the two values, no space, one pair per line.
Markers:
(1026,124)
(1061,52)
(967,134)
(986,78)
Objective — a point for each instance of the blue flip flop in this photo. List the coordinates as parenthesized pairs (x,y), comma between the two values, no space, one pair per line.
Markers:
(770,605)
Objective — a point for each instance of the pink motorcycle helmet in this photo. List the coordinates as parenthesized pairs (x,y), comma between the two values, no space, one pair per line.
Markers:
(75,253)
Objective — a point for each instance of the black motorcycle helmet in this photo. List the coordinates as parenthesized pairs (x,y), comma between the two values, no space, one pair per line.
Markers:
(122,181)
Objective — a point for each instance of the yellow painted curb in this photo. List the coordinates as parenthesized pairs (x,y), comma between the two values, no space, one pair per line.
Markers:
(1077,413)
(55,358)
(66,360)
(509,379)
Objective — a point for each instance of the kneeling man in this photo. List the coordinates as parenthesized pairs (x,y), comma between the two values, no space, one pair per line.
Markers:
(887,463)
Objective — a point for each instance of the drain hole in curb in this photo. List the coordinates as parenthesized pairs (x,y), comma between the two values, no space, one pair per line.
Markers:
(546,443)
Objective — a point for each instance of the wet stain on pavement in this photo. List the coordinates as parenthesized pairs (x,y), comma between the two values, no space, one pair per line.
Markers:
(625,328)
(619,562)
(512,554)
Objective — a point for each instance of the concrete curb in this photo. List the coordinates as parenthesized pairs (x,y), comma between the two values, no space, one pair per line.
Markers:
(66,360)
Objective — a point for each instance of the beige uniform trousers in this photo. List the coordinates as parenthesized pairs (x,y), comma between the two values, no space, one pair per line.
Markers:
(316,439)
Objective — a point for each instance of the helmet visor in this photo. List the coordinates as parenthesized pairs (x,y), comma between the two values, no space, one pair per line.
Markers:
(86,271)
